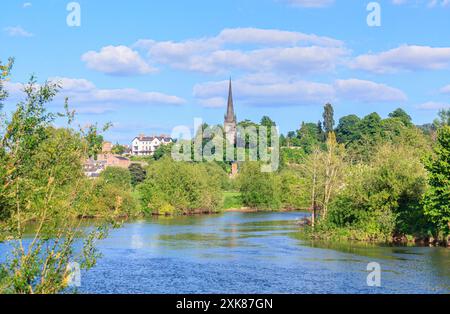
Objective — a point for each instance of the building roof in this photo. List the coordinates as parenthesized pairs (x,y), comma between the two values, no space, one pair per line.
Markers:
(121,158)
(230,117)
(151,138)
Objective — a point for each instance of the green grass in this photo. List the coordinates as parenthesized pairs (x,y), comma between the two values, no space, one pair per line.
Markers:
(232,200)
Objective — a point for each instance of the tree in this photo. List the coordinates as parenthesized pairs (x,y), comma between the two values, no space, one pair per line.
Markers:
(444,118)
(402,116)
(40,180)
(258,189)
(347,130)
(381,198)
(116,176)
(94,140)
(180,188)
(268,124)
(118,149)
(370,125)
(138,174)
(437,198)
(308,136)
(369,136)
(4,73)
(163,151)
(328,118)
(333,163)
(321,135)
(312,165)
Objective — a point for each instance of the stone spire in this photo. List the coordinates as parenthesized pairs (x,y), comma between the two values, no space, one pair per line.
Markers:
(230,117)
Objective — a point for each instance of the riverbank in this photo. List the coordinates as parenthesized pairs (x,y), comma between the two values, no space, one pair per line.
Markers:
(326,234)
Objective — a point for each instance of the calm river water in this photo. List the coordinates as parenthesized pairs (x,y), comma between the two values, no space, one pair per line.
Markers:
(253,253)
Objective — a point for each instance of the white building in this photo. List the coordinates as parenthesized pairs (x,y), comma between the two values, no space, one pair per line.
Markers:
(147,145)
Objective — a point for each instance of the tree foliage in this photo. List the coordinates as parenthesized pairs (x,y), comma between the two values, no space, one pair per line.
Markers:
(437,199)
(259,189)
(180,188)
(41,180)
(137,174)
(328,118)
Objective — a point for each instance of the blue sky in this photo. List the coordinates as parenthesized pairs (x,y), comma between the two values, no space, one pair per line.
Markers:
(148,66)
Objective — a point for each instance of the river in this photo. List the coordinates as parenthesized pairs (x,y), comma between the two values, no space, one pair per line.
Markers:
(253,253)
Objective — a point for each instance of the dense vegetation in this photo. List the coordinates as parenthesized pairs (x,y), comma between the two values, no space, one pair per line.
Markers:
(372,178)
(43,190)
(182,188)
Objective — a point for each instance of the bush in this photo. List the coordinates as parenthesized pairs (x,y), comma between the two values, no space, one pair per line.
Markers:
(383,198)
(232,200)
(101,198)
(138,174)
(181,188)
(295,192)
(117,177)
(259,189)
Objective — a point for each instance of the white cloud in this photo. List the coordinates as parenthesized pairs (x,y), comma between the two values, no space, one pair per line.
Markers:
(265,50)
(433,105)
(252,35)
(273,91)
(85,91)
(116,60)
(87,98)
(445,89)
(258,92)
(17,31)
(27,5)
(404,58)
(367,91)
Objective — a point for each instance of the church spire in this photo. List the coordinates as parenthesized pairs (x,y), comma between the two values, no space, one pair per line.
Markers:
(230,117)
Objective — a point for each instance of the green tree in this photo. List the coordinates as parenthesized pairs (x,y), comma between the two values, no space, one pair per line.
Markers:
(369,131)
(40,180)
(437,199)
(321,135)
(328,118)
(180,188)
(94,140)
(138,174)
(443,118)
(370,125)
(347,130)
(116,176)
(118,149)
(402,116)
(268,124)
(308,136)
(259,189)
(382,198)
(163,151)
(4,73)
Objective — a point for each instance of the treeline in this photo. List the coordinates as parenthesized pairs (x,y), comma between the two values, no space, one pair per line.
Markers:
(368,178)
(363,178)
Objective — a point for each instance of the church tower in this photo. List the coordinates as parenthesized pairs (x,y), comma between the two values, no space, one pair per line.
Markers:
(230,124)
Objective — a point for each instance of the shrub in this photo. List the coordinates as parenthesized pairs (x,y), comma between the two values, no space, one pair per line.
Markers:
(137,173)
(117,177)
(295,193)
(383,198)
(259,189)
(181,188)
